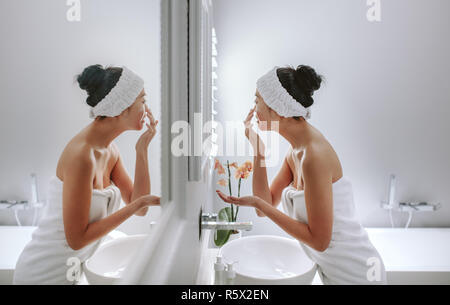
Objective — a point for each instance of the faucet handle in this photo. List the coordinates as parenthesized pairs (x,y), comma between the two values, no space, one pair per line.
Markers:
(34,189)
(223,225)
(209,217)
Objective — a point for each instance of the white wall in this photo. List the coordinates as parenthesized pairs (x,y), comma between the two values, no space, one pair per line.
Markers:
(42,107)
(385,103)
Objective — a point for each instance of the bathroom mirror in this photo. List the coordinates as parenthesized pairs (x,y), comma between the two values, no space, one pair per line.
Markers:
(45,44)
(188,93)
(186,180)
(384,98)
(383,106)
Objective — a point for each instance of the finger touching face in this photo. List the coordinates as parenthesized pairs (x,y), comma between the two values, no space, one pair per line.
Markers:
(264,114)
(250,115)
(140,112)
(262,111)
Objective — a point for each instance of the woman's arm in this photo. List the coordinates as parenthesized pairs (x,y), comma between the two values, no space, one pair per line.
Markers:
(77,195)
(260,183)
(123,181)
(272,193)
(142,175)
(100,228)
(319,206)
(295,228)
(142,183)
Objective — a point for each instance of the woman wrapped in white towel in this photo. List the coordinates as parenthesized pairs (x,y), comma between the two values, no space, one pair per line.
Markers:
(90,181)
(316,196)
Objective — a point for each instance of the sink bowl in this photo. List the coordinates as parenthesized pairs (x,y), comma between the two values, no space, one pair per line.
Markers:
(269,260)
(108,263)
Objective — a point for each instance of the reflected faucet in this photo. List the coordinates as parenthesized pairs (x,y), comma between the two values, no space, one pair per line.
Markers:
(209,222)
(391,198)
(34,189)
(392,204)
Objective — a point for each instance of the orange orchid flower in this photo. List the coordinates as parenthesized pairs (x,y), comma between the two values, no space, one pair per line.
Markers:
(234,164)
(222,182)
(248,165)
(241,172)
(219,167)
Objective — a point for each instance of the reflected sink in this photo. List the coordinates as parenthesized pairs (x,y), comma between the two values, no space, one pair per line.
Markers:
(269,260)
(107,264)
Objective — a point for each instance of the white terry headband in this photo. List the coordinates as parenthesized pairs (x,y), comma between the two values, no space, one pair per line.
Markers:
(121,96)
(278,99)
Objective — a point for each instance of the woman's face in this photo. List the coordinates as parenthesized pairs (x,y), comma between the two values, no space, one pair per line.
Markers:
(137,112)
(264,114)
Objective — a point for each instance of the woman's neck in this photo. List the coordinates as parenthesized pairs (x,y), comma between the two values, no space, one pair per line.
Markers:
(100,133)
(296,132)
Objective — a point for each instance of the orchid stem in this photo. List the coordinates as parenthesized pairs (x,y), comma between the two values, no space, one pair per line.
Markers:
(239,195)
(229,188)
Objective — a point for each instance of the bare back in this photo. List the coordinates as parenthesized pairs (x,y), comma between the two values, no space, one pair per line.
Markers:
(104,160)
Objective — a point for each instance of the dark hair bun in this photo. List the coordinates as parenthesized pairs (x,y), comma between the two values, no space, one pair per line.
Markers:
(98,82)
(91,78)
(308,79)
(300,83)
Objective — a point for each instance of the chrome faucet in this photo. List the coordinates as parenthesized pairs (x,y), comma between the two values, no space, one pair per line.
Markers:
(392,204)
(391,199)
(209,222)
(14,204)
(34,189)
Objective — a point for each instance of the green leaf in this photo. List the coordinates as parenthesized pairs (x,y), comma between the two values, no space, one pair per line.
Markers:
(222,236)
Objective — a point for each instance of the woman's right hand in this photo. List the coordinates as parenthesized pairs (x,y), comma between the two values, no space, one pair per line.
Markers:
(148,200)
(252,136)
(145,139)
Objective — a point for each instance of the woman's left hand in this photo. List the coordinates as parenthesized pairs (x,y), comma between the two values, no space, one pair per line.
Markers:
(145,139)
(247,201)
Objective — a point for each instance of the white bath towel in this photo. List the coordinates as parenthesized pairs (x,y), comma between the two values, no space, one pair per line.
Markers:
(350,258)
(44,259)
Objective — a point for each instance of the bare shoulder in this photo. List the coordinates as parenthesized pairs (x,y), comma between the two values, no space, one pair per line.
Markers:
(320,158)
(76,156)
(316,157)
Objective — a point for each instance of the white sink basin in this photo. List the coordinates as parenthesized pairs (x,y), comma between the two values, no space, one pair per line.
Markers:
(269,260)
(107,264)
